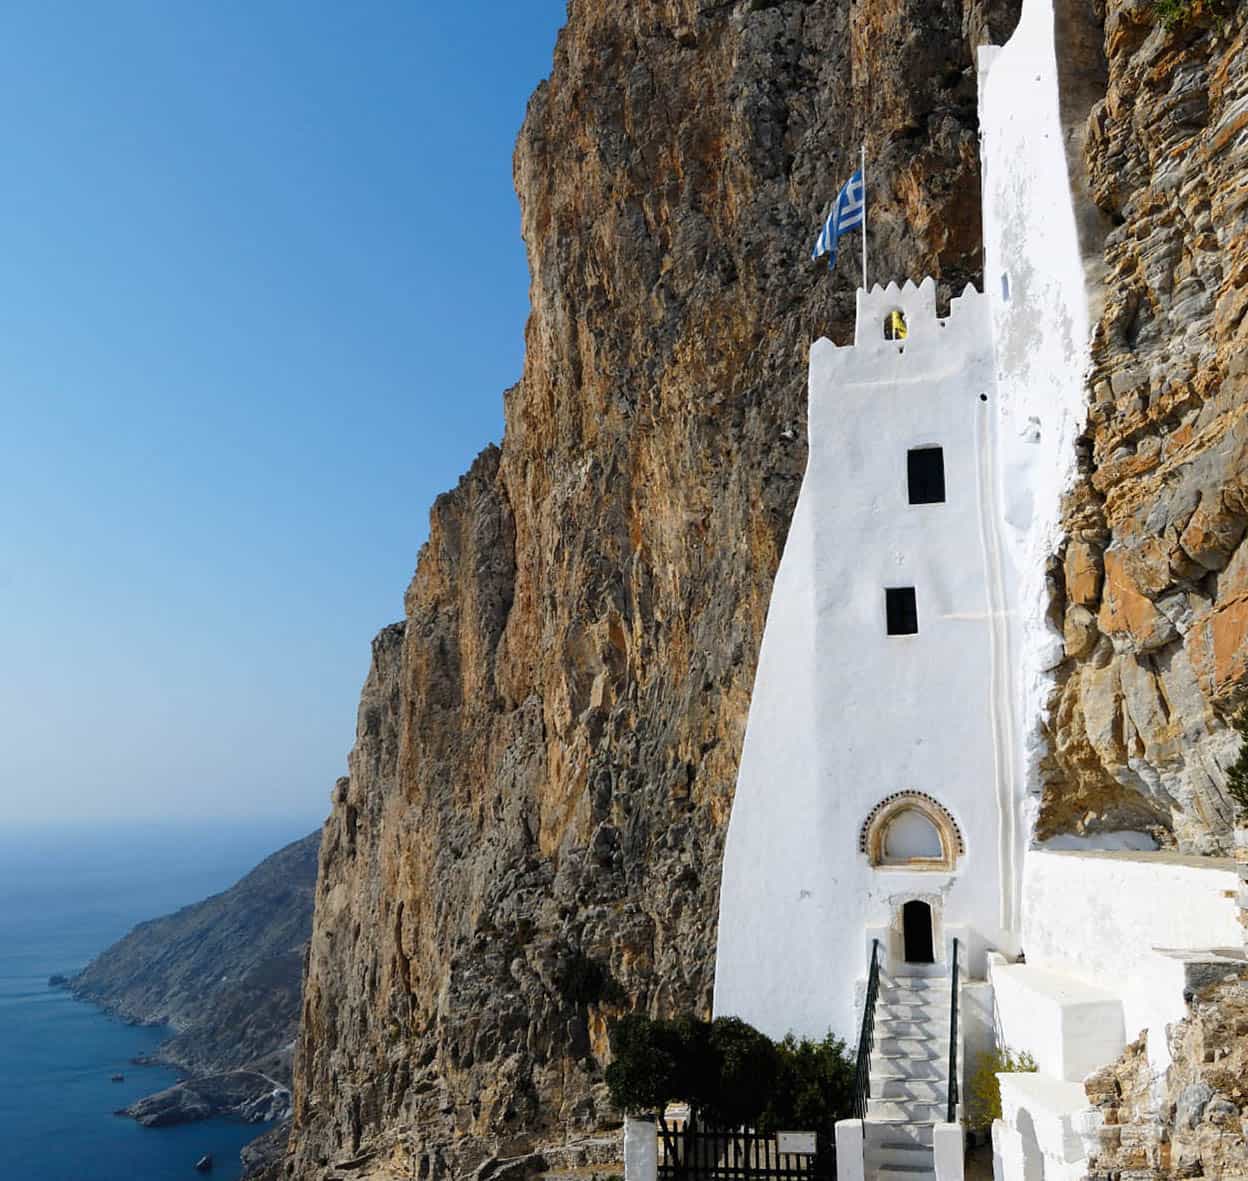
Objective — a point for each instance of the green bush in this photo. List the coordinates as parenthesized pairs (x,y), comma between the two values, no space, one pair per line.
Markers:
(1175,13)
(645,1064)
(814,1089)
(1237,774)
(746,1065)
(984,1100)
(729,1073)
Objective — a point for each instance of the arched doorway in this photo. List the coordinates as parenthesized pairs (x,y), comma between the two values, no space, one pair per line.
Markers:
(916,930)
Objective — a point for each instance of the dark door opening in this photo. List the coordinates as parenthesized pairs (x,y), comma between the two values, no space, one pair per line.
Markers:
(916,928)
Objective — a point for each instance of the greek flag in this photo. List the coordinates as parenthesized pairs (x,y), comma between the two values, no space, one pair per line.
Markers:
(847,214)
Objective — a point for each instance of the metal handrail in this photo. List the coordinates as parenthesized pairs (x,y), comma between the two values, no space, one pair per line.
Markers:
(866,1039)
(952,1111)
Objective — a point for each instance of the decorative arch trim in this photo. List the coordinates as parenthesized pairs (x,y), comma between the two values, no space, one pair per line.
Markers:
(875,829)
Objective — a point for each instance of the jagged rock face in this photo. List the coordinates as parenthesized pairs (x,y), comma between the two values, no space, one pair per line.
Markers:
(529,838)
(1194,1123)
(1152,589)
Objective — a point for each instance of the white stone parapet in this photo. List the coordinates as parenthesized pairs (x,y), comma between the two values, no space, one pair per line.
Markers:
(641,1150)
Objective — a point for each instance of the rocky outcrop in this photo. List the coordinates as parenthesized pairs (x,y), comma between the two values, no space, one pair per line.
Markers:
(246,1095)
(1194,1121)
(1151,591)
(224,973)
(529,837)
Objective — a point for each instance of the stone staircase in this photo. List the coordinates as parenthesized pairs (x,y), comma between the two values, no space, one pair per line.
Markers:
(909,1077)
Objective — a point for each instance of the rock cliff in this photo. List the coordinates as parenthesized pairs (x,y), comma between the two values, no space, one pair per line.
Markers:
(528,840)
(1152,588)
(529,837)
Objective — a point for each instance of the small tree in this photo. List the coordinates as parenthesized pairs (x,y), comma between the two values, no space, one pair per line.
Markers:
(746,1077)
(644,1071)
(814,1088)
(1237,774)
(985,1089)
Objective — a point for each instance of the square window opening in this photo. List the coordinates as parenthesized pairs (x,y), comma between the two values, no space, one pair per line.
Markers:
(925,475)
(901,610)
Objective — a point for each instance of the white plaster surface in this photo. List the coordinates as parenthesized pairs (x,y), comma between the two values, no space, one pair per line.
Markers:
(849,1158)
(641,1150)
(948,1152)
(1042,354)
(1044,1114)
(844,715)
(1068,1026)
(1106,918)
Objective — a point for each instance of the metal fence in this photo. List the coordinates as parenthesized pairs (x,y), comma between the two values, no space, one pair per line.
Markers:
(691,1153)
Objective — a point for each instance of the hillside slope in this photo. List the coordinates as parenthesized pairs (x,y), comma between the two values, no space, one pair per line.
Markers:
(224,973)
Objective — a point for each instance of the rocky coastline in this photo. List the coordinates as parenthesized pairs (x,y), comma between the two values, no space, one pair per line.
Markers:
(225,976)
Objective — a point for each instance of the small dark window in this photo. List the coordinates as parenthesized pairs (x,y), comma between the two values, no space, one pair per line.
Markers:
(902,612)
(925,472)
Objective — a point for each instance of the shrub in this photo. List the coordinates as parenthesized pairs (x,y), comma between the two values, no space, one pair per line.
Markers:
(984,1101)
(746,1065)
(729,1073)
(644,1072)
(1237,774)
(1174,13)
(814,1088)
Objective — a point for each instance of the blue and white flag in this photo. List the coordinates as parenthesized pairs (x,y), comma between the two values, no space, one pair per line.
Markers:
(847,214)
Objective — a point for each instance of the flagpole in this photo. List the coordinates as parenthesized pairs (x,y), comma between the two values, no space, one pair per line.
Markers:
(864,217)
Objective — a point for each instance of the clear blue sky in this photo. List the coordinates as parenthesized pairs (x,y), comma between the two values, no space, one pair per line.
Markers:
(261,289)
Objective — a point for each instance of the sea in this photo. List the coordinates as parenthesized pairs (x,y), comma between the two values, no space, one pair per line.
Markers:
(65,895)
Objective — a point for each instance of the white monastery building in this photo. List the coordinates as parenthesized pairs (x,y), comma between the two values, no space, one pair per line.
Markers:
(887,785)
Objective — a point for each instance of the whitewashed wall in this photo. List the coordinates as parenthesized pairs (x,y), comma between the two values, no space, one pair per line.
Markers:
(1109,919)
(844,715)
(1034,279)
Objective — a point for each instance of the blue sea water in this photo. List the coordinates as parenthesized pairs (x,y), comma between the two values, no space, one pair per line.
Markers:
(64,897)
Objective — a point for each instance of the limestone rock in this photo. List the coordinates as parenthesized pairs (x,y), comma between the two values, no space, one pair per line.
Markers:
(1139,728)
(1188,1122)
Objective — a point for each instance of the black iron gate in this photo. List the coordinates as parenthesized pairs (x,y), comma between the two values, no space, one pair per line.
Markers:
(688,1152)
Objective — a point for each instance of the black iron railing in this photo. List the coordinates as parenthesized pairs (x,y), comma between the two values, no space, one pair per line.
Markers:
(866,1039)
(952,1112)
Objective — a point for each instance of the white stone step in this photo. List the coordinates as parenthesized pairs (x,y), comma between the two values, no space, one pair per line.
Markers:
(912,1046)
(900,1152)
(899,1087)
(909,1111)
(934,1066)
(890,1011)
(919,971)
(927,985)
(878,1132)
(902,1173)
(901,1027)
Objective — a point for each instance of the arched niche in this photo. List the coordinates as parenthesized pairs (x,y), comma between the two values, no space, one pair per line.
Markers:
(911,830)
(895,325)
